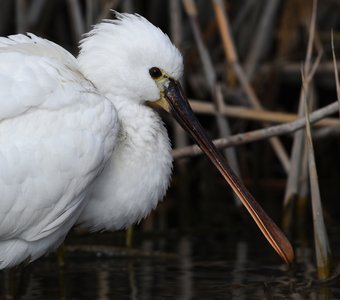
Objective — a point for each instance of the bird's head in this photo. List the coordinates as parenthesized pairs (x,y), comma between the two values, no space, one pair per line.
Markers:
(120,57)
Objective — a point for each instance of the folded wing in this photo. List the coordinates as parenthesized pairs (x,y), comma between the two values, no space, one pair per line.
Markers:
(56,134)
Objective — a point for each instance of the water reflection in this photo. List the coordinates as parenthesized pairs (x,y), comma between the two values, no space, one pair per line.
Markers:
(179,267)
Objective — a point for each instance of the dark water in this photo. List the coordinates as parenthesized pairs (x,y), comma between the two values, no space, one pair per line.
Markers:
(203,265)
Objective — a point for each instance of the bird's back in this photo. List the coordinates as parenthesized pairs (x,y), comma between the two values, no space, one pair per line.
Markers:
(56,133)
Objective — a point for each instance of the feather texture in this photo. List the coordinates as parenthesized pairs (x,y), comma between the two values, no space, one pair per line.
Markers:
(77,143)
(56,133)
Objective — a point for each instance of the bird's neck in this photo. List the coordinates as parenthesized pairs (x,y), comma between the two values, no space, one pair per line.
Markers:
(138,173)
(138,122)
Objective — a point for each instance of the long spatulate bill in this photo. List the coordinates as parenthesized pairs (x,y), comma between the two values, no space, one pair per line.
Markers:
(174,101)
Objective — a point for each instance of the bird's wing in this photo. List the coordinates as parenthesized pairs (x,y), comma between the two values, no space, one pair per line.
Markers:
(32,73)
(56,133)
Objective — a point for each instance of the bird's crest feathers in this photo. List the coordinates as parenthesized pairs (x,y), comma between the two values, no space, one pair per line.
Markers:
(125,48)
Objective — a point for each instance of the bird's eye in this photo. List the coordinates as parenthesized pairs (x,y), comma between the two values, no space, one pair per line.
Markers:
(155,72)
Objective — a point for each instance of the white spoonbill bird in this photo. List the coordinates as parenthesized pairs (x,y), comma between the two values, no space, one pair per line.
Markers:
(78,142)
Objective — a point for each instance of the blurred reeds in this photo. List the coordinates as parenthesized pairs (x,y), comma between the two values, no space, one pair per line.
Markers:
(243,75)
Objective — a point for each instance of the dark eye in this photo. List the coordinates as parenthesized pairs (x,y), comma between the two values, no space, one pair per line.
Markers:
(155,73)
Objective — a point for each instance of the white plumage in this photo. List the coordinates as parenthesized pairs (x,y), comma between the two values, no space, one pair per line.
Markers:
(78,143)
(75,137)
(137,175)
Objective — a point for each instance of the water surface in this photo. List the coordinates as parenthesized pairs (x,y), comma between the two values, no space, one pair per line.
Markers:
(204,265)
